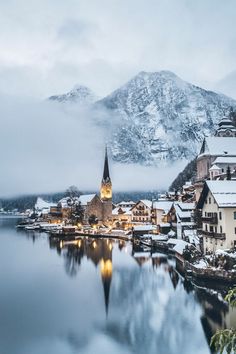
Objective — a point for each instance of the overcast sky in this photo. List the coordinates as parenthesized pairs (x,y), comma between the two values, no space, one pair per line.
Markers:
(48,46)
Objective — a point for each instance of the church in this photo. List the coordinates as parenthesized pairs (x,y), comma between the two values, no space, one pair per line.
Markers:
(100,206)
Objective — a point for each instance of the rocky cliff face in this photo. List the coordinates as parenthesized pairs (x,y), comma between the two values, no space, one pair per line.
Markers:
(80,94)
(161,118)
(157,118)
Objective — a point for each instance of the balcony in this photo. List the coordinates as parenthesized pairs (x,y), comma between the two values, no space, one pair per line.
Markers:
(213,219)
(219,236)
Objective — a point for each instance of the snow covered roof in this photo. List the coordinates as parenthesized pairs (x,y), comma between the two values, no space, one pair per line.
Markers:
(225,160)
(86,198)
(159,237)
(214,167)
(224,193)
(147,202)
(180,246)
(42,204)
(183,210)
(123,203)
(163,205)
(145,227)
(120,210)
(219,146)
(185,206)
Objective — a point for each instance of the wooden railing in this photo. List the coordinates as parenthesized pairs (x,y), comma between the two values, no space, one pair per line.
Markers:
(220,236)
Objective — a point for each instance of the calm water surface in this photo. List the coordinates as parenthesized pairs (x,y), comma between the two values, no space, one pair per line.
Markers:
(98,296)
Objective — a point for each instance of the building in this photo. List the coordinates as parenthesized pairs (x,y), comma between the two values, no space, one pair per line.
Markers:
(106,192)
(122,217)
(218,205)
(215,153)
(162,215)
(183,218)
(142,211)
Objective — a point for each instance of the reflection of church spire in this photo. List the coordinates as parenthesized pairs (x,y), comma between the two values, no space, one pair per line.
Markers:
(106,272)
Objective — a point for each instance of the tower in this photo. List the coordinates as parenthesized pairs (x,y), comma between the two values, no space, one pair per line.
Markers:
(106,192)
(106,185)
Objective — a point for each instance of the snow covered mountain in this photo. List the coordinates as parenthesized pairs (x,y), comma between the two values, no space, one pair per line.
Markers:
(79,94)
(154,119)
(159,118)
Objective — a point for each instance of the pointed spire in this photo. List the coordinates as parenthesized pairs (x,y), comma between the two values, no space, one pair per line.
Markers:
(106,174)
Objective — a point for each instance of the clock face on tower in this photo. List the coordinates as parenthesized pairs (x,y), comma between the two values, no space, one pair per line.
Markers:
(106,191)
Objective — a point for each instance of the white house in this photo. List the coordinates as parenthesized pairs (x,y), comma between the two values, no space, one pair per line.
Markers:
(218,205)
(142,211)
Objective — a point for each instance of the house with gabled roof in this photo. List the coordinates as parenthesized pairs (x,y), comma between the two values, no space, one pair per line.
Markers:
(218,205)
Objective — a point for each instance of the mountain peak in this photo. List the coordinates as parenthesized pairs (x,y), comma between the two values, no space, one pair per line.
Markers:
(79,94)
(161,118)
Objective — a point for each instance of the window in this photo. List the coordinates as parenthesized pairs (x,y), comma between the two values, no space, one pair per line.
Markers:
(206,227)
(234,215)
(209,200)
(220,215)
(222,170)
(221,229)
(211,228)
(235,230)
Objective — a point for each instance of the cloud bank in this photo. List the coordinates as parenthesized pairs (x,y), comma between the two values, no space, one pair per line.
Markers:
(46,147)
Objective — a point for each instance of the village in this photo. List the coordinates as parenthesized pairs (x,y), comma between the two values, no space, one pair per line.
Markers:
(197,223)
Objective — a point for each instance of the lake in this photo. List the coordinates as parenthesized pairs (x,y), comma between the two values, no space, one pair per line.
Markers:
(99,296)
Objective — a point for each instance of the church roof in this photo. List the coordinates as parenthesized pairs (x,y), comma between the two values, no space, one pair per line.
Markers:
(219,146)
(86,198)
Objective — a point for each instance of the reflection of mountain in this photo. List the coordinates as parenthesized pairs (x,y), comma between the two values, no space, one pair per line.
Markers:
(156,317)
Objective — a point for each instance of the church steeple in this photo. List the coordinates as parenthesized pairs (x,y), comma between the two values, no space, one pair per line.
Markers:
(106,186)
(106,175)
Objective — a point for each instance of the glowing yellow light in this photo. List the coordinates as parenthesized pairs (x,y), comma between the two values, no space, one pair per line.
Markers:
(110,246)
(79,243)
(106,267)
(94,244)
(61,244)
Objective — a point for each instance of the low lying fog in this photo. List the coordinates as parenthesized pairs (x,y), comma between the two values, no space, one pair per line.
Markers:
(46,147)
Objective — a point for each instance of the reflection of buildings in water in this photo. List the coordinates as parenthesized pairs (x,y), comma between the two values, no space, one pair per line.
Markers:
(106,273)
(99,251)
(141,257)
(73,255)
(215,312)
